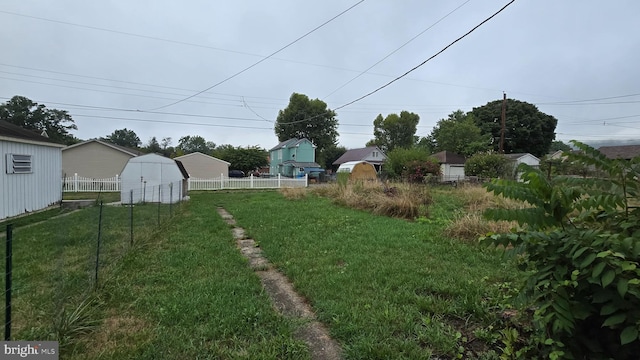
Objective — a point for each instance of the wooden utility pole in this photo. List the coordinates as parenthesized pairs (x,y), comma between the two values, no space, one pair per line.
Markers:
(504,116)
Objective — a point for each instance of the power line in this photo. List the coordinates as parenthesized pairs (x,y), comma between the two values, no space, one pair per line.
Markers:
(396,50)
(263,59)
(588,100)
(428,59)
(171,122)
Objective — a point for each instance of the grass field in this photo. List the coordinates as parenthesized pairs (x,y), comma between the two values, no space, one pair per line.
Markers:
(386,288)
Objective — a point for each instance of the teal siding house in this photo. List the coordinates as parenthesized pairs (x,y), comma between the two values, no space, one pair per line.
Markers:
(293,158)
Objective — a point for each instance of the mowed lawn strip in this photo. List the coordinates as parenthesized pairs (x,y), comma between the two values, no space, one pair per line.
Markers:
(183,291)
(387,288)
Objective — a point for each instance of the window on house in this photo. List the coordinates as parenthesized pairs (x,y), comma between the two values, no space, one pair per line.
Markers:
(280,154)
(18,164)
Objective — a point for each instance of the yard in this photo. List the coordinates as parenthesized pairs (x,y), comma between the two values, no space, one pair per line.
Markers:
(385,287)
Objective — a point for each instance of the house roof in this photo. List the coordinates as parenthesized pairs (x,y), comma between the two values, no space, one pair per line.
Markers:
(126,150)
(301,164)
(516,156)
(291,143)
(447,157)
(357,154)
(201,154)
(14,132)
(626,152)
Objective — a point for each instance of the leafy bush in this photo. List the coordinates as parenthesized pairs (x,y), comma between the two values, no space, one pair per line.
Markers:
(416,171)
(488,165)
(398,158)
(581,240)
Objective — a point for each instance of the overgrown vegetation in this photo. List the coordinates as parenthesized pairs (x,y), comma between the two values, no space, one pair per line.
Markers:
(581,242)
(488,165)
(404,201)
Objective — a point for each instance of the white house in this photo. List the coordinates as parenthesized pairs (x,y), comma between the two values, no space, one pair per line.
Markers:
(522,158)
(153,178)
(31,175)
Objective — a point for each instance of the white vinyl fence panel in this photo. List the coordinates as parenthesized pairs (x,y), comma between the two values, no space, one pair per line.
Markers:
(250,182)
(77,183)
(83,184)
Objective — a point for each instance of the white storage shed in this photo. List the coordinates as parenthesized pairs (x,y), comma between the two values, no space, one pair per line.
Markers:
(153,178)
(31,174)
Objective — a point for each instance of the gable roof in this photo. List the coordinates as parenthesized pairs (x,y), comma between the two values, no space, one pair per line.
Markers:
(185,174)
(626,152)
(124,149)
(357,154)
(197,153)
(516,156)
(447,157)
(16,133)
(291,143)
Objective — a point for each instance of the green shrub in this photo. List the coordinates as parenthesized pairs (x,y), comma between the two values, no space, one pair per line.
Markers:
(489,165)
(416,171)
(581,240)
(398,158)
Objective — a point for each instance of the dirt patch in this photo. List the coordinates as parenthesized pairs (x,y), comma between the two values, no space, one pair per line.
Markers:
(117,332)
(284,297)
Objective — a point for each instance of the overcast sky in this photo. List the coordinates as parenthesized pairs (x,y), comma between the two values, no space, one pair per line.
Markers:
(103,60)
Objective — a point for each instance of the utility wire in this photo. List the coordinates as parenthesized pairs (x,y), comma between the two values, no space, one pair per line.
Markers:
(396,50)
(588,100)
(261,60)
(427,60)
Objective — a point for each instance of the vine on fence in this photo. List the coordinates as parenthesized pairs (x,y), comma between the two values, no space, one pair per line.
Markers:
(581,241)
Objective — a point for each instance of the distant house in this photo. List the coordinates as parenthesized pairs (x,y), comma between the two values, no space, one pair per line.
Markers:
(451,165)
(371,154)
(96,159)
(30,178)
(203,166)
(153,178)
(522,158)
(626,152)
(293,158)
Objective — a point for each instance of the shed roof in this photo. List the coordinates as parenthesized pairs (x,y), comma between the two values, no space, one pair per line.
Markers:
(357,154)
(197,153)
(626,152)
(447,157)
(516,156)
(14,132)
(124,149)
(349,165)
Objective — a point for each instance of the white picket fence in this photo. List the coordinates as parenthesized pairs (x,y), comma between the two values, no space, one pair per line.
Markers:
(77,183)
(250,182)
(83,184)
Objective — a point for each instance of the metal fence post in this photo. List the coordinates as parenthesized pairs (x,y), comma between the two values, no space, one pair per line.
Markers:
(159,202)
(170,199)
(98,247)
(8,272)
(131,214)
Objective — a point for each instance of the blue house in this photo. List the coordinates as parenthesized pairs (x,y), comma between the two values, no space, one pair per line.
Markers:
(293,158)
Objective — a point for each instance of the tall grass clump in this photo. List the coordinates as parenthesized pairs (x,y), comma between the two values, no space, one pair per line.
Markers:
(469,224)
(405,201)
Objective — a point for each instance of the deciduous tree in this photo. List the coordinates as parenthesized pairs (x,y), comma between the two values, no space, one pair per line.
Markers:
(246,159)
(311,119)
(527,129)
(124,137)
(459,134)
(395,131)
(190,144)
(30,115)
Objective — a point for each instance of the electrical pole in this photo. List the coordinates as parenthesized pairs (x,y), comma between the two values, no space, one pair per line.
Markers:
(504,116)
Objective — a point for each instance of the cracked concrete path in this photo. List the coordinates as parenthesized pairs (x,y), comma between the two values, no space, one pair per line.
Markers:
(284,297)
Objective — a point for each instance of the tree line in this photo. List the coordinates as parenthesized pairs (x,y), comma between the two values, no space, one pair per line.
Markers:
(527,130)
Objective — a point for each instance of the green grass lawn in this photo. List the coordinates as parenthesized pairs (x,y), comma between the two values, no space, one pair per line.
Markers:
(387,288)
(106,197)
(182,291)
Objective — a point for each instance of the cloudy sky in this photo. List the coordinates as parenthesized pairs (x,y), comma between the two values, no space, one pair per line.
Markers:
(117,64)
